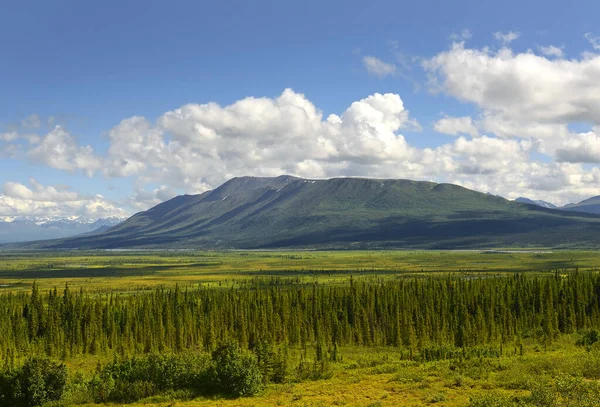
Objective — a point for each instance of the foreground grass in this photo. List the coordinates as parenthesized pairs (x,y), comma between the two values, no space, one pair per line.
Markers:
(373,377)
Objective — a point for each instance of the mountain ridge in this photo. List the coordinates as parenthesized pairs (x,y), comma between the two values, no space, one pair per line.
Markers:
(589,205)
(346,212)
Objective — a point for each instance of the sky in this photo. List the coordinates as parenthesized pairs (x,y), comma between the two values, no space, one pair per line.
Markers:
(108,108)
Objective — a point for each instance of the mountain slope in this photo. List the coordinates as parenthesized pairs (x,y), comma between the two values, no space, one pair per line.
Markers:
(252,213)
(538,202)
(590,205)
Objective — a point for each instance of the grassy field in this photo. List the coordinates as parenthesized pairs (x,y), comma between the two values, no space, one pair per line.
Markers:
(376,377)
(125,270)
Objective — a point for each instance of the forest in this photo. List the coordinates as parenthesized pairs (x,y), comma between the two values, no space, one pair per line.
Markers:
(455,338)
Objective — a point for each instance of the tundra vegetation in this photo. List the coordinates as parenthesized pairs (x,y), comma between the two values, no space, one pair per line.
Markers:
(498,328)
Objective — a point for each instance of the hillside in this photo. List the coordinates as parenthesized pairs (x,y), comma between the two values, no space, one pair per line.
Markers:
(259,213)
(590,205)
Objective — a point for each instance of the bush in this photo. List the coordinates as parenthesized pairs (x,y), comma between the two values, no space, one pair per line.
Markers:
(230,372)
(272,364)
(588,338)
(37,382)
(236,373)
(492,399)
(133,379)
(578,392)
(542,395)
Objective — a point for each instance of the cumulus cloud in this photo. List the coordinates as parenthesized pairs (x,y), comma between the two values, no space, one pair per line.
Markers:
(59,149)
(198,146)
(53,201)
(506,38)
(524,87)
(377,67)
(455,126)
(528,102)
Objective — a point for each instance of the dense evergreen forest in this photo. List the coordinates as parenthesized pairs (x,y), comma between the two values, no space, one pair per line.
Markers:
(413,314)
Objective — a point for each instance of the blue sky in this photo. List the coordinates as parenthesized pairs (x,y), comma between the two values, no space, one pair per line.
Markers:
(86,67)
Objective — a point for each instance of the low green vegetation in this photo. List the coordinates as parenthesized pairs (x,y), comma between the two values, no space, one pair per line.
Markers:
(113,271)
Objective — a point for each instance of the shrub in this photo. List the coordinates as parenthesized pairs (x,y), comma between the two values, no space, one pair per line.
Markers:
(542,395)
(236,373)
(272,364)
(133,379)
(588,338)
(492,399)
(37,382)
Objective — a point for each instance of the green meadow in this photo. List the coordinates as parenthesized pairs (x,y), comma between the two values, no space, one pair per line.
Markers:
(132,270)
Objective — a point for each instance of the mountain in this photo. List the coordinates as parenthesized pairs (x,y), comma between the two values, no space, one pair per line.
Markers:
(590,205)
(23,228)
(289,212)
(538,202)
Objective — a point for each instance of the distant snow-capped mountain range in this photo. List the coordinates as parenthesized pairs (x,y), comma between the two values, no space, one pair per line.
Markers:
(27,228)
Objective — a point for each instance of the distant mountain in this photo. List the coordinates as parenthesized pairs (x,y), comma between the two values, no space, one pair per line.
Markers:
(289,212)
(538,202)
(28,228)
(590,205)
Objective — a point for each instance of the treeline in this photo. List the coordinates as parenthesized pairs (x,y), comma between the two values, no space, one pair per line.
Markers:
(413,314)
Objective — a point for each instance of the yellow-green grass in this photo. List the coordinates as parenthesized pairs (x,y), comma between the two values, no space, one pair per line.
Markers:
(378,377)
(117,270)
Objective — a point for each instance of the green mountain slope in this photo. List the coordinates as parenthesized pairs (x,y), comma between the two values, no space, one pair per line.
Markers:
(254,213)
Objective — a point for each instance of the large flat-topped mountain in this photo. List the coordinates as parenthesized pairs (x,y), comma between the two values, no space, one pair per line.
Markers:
(286,212)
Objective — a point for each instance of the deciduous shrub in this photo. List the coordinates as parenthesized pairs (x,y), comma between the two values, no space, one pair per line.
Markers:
(236,372)
(37,382)
(133,379)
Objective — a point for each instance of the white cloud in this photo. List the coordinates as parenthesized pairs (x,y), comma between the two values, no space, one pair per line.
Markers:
(208,144)
(593,40)
(552,51)
(59,149)
(523,88)
(143,199)
(580,148)
(528,101)
(39,192)
(506,38)
(377,67)
(40,200)
(455,126)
